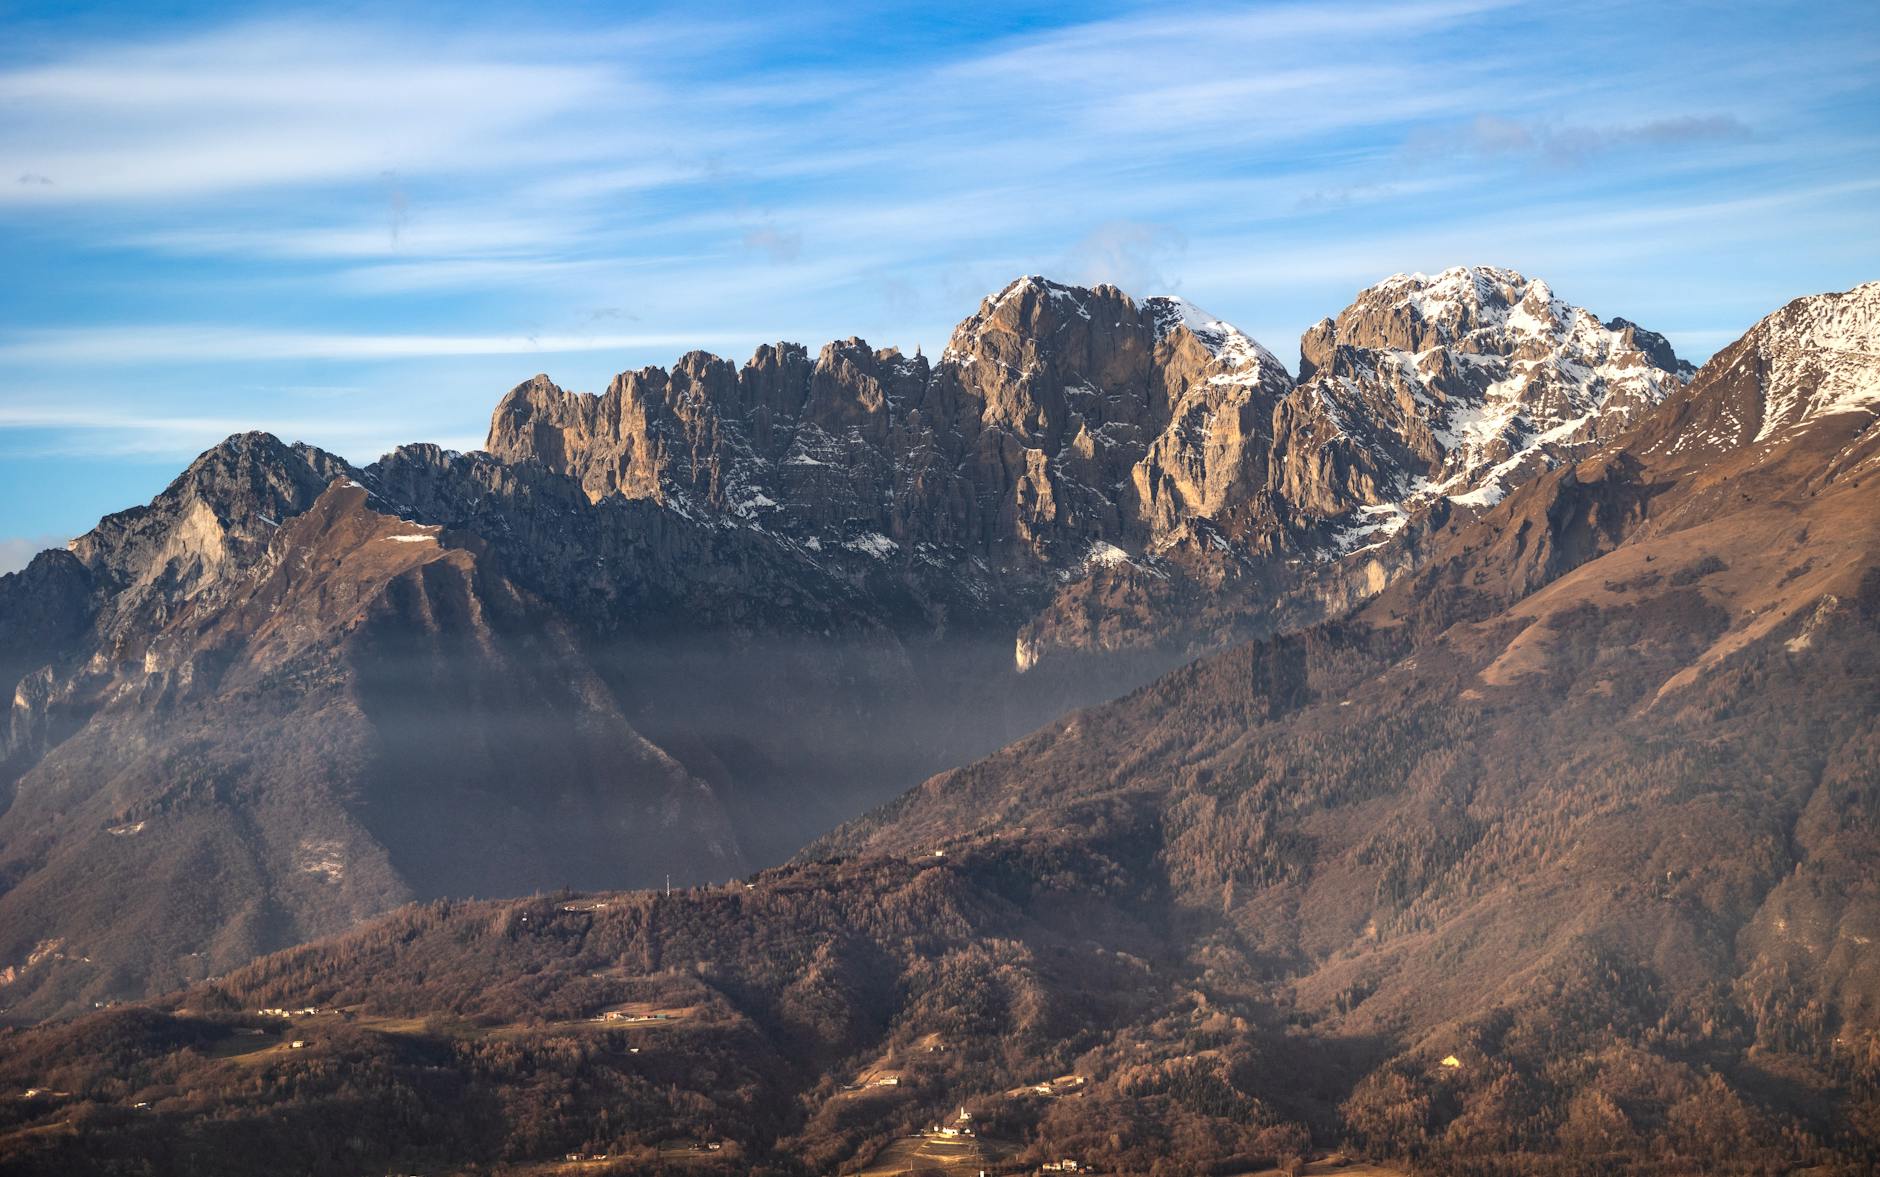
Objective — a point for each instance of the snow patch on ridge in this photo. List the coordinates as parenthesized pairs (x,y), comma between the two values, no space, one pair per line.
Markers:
(1105,553)
(1100,554)
(873,544)
(1248,360)
(1828,344)
(1375,526)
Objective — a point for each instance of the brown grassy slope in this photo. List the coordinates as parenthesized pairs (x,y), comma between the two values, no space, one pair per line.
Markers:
(1615,746)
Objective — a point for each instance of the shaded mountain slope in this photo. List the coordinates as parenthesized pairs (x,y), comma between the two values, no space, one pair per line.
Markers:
(1162,973)
(367,714)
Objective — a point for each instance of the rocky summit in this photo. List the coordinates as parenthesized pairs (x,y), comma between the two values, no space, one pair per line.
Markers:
(1077,447)
(1057,418)
(1465,384)
(686,625)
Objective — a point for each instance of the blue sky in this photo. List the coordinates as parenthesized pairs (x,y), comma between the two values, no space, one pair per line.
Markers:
(359,225)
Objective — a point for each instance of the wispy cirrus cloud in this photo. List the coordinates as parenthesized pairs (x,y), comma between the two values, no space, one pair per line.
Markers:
(158,344)
(1570,144)
(104,429)
(273,104)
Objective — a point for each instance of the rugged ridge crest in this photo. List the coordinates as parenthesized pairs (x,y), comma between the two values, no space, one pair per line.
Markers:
(732,581)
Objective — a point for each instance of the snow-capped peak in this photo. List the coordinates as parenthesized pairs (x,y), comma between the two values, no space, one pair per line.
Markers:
(1485,375)
(1823,356)
(1071,296)
(1226,342)
(1467,299)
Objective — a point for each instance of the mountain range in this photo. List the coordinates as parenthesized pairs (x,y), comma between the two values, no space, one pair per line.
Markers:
(681,628)
(1465,752)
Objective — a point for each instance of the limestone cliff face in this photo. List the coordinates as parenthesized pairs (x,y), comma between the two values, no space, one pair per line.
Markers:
(1138,471)
(1057,417)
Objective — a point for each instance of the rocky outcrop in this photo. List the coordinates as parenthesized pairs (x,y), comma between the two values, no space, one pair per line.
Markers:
(1125,474)
(218,514)
(1457,387)
(1057,417)
(71,620)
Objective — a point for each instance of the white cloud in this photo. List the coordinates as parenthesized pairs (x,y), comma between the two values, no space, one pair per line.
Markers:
(431,233)
(563,129)
(272,104)
(103,430)
(1131,255)
(193,344)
